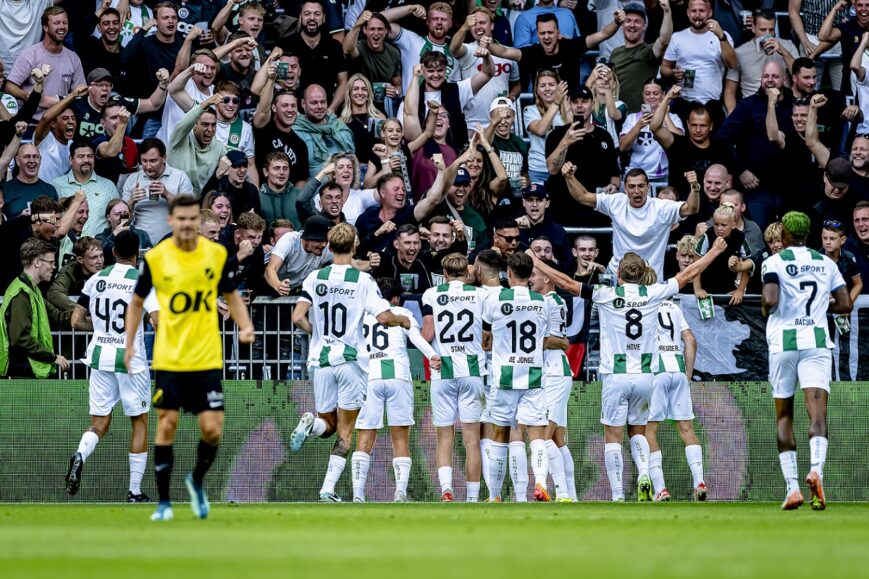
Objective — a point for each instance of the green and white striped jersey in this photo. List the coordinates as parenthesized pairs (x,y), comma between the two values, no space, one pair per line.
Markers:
(519,321)
(556,362)
(387,347)
(106,296)
(629,325)
(670,354)
(340,296)
(805,279)
(456,310)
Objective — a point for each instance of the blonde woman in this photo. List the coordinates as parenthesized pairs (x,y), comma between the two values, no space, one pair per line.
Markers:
(551,109)
(360,114)
(607,110)
(343,169)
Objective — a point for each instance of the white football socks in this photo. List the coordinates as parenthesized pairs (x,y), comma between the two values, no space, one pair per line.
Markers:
(519,471)
(401,466)
(473,492)
(788,460)
(445,477)
(539,461)
(656,471)
(359,465)
(497,468)
(612,455)
(818,451)
(138,460)
(694,456)
(333,473)
(319,427)
(485,453)
(569,475)
(556,470)
(87,444)
(640,453)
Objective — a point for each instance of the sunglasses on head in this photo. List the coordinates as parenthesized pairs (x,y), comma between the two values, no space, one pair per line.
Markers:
(832,224)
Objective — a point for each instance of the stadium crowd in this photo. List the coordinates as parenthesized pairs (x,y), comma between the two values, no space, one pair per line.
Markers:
(437,128)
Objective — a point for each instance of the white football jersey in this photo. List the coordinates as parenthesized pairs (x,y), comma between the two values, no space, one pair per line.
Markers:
(340,296)
(556,362)
(108,294)
(519,321)
(670,354)
(387,347)
(805,279)
(629,325)
(456,309)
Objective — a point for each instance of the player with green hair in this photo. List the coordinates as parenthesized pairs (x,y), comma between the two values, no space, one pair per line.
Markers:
(797,284)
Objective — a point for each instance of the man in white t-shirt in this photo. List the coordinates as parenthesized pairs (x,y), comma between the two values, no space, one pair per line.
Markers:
(697,58)
(412,46)
(505,81)
(232,130)
(640,224)
(192,86)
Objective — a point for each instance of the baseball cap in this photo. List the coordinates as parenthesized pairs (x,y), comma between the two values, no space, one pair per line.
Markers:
(583,93)
(500,102)
(535,190)
(237,158)
(316,228)
(462,177)
(635,8)
(838,172)
(98,74)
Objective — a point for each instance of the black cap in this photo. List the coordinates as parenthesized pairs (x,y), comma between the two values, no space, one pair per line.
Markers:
(316,228)
(839,172)
(635,8)
(583,93)
(535,190)
(237,158)
(98,74)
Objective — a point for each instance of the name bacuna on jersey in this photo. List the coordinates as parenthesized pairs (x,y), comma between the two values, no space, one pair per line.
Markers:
(670,355)
(340,296)
(629,325)
(556,360)
(106,296)
(519,321)
(805,279)
(456,309)
(387,347)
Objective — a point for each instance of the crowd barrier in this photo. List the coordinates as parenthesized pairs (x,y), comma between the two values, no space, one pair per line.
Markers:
(43,422)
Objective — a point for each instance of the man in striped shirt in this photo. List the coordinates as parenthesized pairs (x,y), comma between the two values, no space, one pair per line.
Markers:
(338,296)
(797,285)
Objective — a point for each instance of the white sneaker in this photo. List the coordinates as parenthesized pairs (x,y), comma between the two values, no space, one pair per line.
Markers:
(400,497)
(302,431)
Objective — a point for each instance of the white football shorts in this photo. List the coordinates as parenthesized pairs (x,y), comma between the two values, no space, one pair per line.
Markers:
(108,388)
(342,386)
(624,399)
(460,398)
(525,407)
(671,398)
(557,390)
(396,396)
(810,368)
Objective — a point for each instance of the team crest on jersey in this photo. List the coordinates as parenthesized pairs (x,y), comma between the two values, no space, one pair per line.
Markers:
(792,269)
(443,300)
(209,273)
(183,13)
(101,286)
(234,139)
(321,289)
(507,309)
(618,303)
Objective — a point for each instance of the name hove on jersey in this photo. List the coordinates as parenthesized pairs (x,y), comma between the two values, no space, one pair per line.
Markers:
(636,347)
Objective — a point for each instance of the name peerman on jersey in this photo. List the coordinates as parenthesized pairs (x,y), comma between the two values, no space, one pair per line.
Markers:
(519,321)
(670,354)
(387,347)
(456,309)
(556,360)
(340,296)
(629,325)
(805,279)
(106,296)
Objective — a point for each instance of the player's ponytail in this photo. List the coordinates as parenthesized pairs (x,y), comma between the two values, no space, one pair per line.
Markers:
(632,268)
(650,276)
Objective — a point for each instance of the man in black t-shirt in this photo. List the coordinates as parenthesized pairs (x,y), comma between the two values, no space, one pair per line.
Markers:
(270,136)
(561,55)
(695,151)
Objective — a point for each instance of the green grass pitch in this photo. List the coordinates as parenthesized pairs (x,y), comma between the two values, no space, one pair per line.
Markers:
(435,540)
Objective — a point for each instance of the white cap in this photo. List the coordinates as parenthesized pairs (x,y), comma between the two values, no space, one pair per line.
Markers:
(500,102)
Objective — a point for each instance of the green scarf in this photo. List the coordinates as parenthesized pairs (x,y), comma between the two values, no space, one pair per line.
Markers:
(40,330)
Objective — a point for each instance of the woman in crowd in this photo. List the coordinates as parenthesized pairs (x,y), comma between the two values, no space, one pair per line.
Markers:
(221,204)
(551,109)
(360,114)
(608,111)
(393,154)
(488,177)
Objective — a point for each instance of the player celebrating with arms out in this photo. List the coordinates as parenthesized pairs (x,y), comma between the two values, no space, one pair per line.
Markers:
(629,330)
(557,383)
(338,296)
(452,317)
(104,299)
(516,328)
(797,283)
(187,272)
(389,385)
